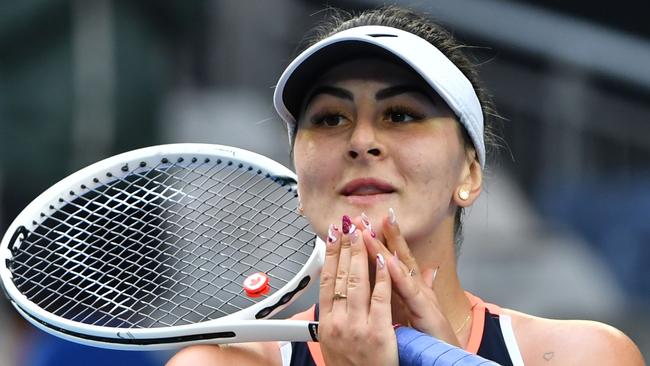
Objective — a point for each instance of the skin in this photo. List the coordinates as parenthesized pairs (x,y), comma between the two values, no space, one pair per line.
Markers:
(369,119)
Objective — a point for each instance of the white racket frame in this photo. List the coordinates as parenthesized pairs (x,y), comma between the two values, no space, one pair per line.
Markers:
(242,323)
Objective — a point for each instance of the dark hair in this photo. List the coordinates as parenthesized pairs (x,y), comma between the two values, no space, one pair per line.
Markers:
(415,23)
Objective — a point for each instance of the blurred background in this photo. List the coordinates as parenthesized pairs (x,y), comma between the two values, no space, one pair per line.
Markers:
(563,228)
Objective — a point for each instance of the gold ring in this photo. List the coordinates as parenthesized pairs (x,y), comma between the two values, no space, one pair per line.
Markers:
(339,296)
(412,272)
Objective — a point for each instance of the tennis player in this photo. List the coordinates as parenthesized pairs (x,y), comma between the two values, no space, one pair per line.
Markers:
(390,134)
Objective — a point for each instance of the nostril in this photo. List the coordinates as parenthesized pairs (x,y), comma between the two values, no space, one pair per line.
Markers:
(374,152)
(353,154)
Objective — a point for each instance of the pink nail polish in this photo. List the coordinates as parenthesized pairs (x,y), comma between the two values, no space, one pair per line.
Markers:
(381,263)
(372,233)
(346,222)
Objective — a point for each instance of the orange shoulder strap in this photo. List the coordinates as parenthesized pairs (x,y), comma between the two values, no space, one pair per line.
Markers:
(478,313)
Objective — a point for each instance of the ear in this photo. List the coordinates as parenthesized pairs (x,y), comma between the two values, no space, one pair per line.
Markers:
(470,183)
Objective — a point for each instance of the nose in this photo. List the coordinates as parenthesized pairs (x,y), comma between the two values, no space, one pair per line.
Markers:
(364,143)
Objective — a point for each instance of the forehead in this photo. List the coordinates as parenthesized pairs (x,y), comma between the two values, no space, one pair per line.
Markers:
(371,69)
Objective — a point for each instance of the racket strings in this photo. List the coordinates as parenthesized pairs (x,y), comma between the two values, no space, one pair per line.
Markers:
(237,201)
(81,252)
(163,246)
(100,271)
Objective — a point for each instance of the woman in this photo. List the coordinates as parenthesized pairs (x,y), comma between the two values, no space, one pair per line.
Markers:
(386,120)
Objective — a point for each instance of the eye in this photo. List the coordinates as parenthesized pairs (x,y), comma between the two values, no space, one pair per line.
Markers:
(328,119)
(401,115)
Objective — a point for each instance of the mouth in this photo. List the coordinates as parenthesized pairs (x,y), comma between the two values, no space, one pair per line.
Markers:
(366,187)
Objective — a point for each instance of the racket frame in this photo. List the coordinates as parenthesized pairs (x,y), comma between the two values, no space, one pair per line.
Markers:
(245,325)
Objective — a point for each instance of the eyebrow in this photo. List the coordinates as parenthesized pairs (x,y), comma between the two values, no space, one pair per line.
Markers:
(402,89)
(331,90)
(380,95)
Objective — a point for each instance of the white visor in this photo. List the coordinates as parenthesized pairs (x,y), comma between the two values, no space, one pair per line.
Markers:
(425,59)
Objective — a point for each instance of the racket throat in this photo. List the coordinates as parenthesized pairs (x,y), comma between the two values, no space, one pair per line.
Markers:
(313,331)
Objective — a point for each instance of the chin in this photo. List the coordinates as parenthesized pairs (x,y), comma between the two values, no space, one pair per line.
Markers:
(368,201)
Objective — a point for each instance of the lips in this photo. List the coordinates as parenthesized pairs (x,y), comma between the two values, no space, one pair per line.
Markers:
(367,187)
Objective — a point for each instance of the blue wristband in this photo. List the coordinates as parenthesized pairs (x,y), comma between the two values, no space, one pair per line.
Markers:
(418,349)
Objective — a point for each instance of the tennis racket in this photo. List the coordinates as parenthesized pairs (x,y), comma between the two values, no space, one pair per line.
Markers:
(164,247)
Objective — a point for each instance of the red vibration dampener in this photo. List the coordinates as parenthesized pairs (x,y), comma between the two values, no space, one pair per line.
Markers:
(256,284)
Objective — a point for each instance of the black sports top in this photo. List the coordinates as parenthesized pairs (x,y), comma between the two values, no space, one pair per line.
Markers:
(491,337)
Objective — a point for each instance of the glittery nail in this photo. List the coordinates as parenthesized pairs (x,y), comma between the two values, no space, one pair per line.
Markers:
(346,222)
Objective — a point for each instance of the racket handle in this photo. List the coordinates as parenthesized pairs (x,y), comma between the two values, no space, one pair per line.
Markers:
(419,349)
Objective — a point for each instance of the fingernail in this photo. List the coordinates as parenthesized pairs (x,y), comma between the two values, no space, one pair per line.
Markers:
(391,216)
(381,263)
(353,233)
(346,222)
(366,221)
(331,237)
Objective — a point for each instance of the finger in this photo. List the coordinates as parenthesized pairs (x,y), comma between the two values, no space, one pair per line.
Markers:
(379,314)
(343,267)
(421,305)
(397,244)
(328,272)
(365,222)
(429,276)
(374,246)
(358,286)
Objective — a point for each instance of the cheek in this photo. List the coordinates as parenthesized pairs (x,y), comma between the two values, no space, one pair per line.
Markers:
(432,166)
(314,168)
(318,174)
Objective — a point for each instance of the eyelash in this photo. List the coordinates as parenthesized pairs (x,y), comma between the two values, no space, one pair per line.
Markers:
(403,110)
(319,118)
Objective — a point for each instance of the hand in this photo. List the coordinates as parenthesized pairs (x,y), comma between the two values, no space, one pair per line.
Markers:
(413,287)
(355,325)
